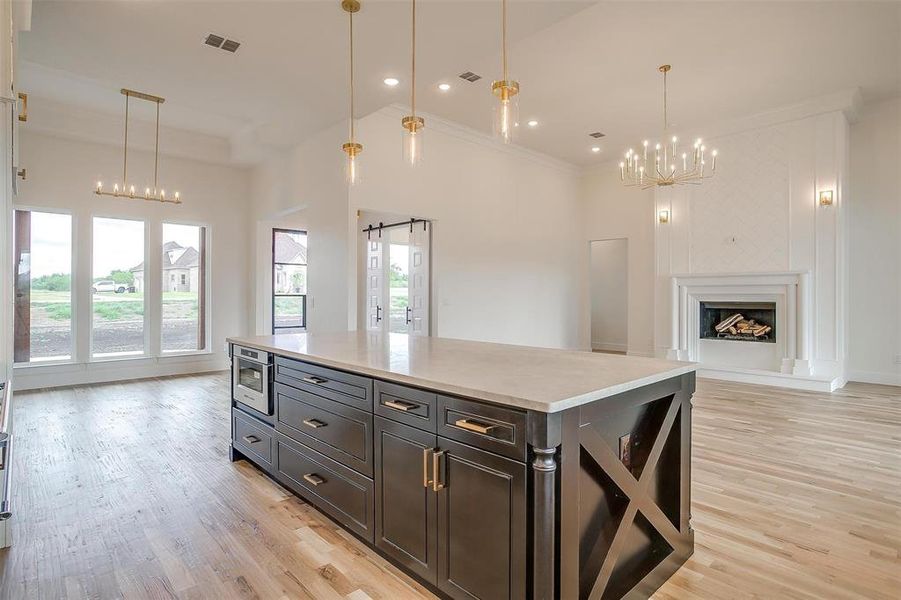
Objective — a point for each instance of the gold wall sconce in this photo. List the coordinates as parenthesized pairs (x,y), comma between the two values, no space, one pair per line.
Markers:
(826,198)
(663,216)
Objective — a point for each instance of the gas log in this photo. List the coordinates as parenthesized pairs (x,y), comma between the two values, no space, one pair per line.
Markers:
(736,324)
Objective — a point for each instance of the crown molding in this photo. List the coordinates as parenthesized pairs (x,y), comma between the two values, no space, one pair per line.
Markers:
(473,136)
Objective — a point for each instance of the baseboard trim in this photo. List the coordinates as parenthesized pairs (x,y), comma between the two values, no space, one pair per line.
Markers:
(610,346)
(876,377)
(772,378)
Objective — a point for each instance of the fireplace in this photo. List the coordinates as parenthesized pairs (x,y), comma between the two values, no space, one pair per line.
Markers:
(738,321)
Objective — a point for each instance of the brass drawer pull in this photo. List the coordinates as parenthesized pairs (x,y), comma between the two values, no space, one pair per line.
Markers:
(251,439)
(314,423)
(425,467)
(314,479)
(437,484)
(23,116)
(315,380)
(400,405)
(474,426)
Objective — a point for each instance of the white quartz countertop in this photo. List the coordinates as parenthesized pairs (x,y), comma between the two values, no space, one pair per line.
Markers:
(540,379)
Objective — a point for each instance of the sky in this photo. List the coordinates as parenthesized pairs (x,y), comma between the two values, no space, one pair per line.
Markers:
(118,243)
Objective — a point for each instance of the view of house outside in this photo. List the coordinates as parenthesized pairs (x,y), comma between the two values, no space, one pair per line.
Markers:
(181,262)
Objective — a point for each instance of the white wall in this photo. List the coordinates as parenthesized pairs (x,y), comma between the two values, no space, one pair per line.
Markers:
(874,267)
(61,176)
(611,211)
(507,253)
(609,276)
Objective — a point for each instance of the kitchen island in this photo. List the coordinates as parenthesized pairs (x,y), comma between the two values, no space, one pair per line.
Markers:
(483,470)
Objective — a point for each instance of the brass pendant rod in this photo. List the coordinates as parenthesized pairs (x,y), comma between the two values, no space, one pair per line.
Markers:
(665,120)
(504,35)
(125,150)
(351,76)
(156,152)
(413,78)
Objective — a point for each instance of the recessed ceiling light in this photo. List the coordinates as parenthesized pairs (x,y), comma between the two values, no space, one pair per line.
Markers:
(595,149)
(533,123)
(443,86)
(391,81)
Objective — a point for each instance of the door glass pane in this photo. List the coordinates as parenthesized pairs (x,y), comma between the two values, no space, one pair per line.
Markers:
(118,287)
(43,322)
(182,272)
(399,281)
(250,375)
(290,279)
(288,311)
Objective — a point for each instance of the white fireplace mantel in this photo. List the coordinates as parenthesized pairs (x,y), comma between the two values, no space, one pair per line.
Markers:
(788,290)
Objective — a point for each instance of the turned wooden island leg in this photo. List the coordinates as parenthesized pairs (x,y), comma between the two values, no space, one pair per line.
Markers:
(544,555)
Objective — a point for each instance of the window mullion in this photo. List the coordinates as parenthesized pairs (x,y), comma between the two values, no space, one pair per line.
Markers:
(153,288)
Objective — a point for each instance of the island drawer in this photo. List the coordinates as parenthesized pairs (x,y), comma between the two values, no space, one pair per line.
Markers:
(352,390)
(493,428)
(341,493)
(252,438)
(411,406)
(338,431)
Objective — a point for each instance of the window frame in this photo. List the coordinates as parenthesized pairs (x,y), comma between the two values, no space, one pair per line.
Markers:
(206,309)
(273,295)
(73,285)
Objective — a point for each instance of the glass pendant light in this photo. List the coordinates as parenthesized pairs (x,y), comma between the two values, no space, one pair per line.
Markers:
(352,149)
(506,110)
(413,125)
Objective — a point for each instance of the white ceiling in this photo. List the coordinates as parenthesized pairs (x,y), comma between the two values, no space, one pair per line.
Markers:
(583,66)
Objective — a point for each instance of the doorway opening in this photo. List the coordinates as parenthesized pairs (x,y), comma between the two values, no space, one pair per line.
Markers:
(396,275)
(609,289)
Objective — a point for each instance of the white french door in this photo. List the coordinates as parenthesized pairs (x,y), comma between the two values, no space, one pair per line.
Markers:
(397,279)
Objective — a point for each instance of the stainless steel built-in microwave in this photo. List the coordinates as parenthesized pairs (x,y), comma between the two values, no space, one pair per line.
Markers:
(250,378)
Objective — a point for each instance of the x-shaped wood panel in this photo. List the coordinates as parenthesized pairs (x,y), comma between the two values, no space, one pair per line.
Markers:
(636,490)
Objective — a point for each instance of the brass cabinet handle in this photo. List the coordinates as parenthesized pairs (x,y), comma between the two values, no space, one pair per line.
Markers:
(315,380)
(400,405)
(23,116)
(22,173)
(425,467)
(437,484)
(314,423)
(314,479)
(474,426)
(251,439)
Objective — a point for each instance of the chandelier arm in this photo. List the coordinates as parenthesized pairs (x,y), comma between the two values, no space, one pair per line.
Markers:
(125,148)
(156,153)
(665,120)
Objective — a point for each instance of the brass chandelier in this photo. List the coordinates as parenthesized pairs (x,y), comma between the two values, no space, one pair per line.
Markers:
(506,90)
(413,125)
(352,148)
(666,164)
(154,194)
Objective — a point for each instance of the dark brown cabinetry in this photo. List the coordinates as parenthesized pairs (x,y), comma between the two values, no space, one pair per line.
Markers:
(453,514)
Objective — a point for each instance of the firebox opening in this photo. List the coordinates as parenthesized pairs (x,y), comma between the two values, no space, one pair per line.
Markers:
(739,321)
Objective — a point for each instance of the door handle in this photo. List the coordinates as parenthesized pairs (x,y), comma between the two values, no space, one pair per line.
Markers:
(314,479)
(409,312)
(437,484)
(378,313)
(314,423)
(251,439)
(23,116)
(400,405)
(474,426)
(315,380)
(426,480)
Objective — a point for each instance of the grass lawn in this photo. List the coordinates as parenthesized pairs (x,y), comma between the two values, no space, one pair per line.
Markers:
(109,306)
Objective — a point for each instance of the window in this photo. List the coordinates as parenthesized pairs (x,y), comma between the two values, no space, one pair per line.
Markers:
(118,287)
(184,288)
(289,280)
(43,306)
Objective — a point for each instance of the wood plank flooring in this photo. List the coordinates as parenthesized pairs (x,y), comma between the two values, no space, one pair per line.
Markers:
(126,491)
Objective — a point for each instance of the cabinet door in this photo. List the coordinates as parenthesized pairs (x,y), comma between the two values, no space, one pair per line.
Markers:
(405,507)
(482,533)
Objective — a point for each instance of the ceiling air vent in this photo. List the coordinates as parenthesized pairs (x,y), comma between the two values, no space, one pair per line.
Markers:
(596,135)
(470,76)
(230,45)
(214,40)
(217,41)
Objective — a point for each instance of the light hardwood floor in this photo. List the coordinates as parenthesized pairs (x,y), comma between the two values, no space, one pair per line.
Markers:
(126,491)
